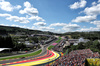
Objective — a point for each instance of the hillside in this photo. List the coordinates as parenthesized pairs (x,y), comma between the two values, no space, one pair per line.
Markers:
(6,30)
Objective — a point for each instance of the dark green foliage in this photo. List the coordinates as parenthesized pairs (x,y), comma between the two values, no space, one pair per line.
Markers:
(96,44)
(12,42)
(88,44)
(25,55)
(87,35)
(5,30)
(86,63)
(6,42)
(93,45)
(19,46)
(4,54)
(35,39)
(80,46)
(42,38)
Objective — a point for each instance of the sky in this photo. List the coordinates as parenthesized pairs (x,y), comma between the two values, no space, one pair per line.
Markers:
(57,16)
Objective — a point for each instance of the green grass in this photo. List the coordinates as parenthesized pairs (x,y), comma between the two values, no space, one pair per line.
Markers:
(58,40)
(5,54)
(66,52)
(50,47)
(26,55)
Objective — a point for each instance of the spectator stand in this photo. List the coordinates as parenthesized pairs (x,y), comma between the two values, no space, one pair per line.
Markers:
(75,58)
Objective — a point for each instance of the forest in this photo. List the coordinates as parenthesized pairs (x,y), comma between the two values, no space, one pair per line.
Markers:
(6,30)
(94,35)
(93,44)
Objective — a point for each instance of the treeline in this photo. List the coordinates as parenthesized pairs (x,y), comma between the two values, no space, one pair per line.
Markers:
(6,42)
(5,30)
(86,35)
(93,45)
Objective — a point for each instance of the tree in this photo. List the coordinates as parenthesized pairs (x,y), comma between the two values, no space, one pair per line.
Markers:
(80,46)
(6,42)
(19,46)
(35,39)
(88,44)
(96,44)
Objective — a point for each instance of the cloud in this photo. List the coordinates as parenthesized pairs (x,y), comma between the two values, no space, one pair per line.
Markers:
(13,25)
(47,28)
(24,26)
(91,13)
(40,24)
(65,27)
(17,7)
(77,5)
(98,26)
(29,9)
(18,19)
(86,18)
(94,3)
(58,24)
(89,29)
(93,10)
(27,4)
(44,28)
(33,12)
(37,18)
(58,31)
(5,15)
(4,24)
(71,27)
(98,1)
(4,5)
(15,18)
(96,22)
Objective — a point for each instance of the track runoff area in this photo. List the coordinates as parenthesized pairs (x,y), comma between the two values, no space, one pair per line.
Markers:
(50,56)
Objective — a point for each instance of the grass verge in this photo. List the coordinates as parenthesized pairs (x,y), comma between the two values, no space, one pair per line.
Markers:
(26,55)
(58,40)
(66,52)
(50,47)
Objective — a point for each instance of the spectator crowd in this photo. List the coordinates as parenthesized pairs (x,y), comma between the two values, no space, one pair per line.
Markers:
(75,58)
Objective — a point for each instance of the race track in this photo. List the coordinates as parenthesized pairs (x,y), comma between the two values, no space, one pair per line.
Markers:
(50,56)
(43,58)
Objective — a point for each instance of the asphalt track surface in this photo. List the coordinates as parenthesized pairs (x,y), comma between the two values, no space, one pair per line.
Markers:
(52,56)
(44,55)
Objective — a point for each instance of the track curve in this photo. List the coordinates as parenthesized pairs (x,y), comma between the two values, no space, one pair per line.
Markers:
(50,57)
(45,57)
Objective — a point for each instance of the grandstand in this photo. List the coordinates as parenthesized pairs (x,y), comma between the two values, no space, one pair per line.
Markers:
(76,58)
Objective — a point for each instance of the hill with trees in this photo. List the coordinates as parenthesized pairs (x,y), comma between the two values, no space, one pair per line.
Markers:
(6,30)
